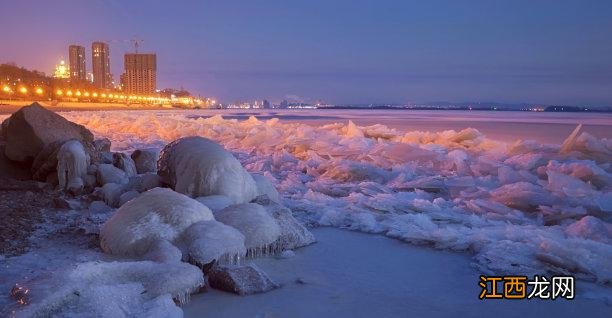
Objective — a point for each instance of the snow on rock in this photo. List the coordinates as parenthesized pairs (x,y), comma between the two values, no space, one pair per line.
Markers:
(241,280)
(72,163)
(292,233)
(107,173)
(265,187)
(127,196)
(215,202)
(118,289)
(111,193)
(197,166)
(158,214)
(509,204)
(208,241)
(253,221)
(125,163)
(146,160)
(144,182)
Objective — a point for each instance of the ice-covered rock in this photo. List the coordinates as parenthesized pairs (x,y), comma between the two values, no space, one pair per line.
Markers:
(111,193)
(292,233)
(197,166)
(265,187)
(125,163)
(102,145)
(208,241)
(215,202)
(146,160)
(241,280)
(144,182)
(255,223)
(33,127)
(127,196)
(164,252)
(158,214)
(107,173)
(117,289)
(72,163)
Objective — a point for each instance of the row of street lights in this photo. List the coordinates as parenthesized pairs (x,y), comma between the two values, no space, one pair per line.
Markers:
(85,95)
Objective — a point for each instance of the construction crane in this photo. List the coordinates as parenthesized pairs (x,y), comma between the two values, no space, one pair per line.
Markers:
(136,42)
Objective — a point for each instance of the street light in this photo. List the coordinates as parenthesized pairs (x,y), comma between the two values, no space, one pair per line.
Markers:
(23,90)
(39,91)
(6,89)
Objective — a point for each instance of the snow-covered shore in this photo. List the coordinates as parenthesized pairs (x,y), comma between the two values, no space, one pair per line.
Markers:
(518,207)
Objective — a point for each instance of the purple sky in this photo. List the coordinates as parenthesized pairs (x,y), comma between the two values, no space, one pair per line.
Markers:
(342,51)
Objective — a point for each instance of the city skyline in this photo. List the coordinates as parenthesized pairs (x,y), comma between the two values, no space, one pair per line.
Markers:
(549,52)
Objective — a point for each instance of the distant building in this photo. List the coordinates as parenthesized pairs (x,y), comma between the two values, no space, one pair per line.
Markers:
(61,71)
(100,62)
(284,104)
(266,104)
(76,60)
(140,76)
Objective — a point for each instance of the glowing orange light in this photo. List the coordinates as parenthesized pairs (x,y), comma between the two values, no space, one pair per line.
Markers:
(6,88)
(69,93)
(59,92)
(23,90)
(86,94)
(95,94)
(39,91)
(103,95)
(78,93)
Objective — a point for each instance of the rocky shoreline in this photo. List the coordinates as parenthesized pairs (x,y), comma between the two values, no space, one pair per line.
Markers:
(146,211)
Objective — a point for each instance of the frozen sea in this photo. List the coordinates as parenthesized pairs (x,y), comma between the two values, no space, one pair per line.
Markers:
(440,194)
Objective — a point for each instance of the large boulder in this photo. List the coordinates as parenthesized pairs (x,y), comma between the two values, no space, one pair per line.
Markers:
(146,159)
(197,167)
(156,215)
(32,128)
(241,280)
(108,173)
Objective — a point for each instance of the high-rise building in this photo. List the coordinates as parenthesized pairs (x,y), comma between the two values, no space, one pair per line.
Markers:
(140,73)
(100,62)
(61,71)
(76,58)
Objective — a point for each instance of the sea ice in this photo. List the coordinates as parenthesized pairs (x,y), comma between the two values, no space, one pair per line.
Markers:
(509,204)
